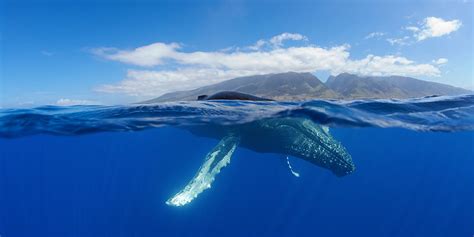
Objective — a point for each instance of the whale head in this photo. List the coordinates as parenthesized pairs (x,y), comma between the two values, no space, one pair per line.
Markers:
(306,140)
(317,146)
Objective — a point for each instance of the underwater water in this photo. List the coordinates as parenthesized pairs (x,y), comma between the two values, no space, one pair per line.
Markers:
(109,171)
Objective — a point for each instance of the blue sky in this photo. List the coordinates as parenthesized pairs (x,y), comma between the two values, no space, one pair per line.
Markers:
(110,52)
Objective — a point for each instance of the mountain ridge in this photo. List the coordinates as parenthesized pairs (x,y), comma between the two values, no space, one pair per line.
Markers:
(384,87)
(293,86)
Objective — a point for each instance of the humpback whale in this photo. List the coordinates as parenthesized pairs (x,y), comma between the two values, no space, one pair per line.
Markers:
(297,137)
(232,95)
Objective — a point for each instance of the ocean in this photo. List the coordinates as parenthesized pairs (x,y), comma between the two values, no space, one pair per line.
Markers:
(109,171)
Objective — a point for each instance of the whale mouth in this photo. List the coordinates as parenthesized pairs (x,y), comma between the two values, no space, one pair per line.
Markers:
(346,169)
(335,157)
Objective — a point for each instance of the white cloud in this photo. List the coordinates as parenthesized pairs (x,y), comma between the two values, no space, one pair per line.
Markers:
(190,70)
(149,55)
(153,83)
(399,41)
(435,27)
(374,35)
(69,102)
(430,27)
(277,41)
(440,61)
(412,28)
(389,65)
(258,45)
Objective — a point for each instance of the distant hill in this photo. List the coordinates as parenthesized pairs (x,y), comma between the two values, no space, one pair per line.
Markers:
(353,87)
(293,86)
(281,86)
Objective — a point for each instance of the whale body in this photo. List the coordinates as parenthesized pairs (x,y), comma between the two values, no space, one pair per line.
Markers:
(296,137)
(232,95)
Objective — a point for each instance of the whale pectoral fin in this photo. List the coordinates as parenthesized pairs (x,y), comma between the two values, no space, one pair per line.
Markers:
(215,160)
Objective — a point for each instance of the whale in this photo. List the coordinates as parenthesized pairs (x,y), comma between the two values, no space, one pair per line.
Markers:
(296,137)
(231,95)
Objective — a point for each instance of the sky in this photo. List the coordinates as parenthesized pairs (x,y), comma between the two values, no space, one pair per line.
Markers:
(115,52)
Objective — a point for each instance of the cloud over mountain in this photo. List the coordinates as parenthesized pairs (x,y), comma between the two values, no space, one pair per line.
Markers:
(187,70)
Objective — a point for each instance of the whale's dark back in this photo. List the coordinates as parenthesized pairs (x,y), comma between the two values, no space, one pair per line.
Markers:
(231,95)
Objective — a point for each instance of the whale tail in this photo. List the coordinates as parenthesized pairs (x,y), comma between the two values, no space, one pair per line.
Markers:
(215,160)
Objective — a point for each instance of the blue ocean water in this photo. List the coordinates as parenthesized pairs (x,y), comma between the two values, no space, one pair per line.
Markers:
(108,171)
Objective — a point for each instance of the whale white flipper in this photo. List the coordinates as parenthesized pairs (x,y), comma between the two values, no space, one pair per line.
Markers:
(215,160)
